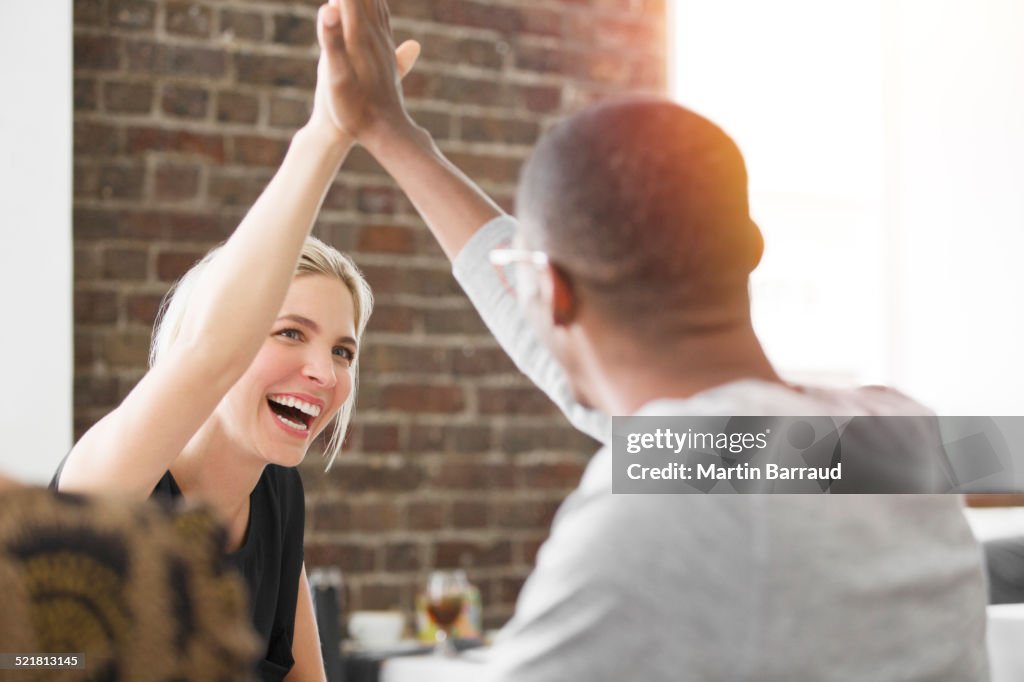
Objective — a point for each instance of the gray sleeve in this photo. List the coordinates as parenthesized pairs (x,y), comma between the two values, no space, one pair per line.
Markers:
(496,303)
(604,601)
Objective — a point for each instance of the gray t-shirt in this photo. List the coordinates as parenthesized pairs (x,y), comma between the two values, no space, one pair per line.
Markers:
(743,587)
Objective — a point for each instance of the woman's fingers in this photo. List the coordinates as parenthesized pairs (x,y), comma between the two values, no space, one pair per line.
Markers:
(406,56)
(329,32)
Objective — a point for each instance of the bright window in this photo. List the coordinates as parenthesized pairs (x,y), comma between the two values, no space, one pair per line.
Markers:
(885,145)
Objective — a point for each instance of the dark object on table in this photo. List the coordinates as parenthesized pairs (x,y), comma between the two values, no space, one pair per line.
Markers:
(327,590)
(1004,560)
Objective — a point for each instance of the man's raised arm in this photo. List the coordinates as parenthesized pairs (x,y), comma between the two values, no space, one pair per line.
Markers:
(367,102)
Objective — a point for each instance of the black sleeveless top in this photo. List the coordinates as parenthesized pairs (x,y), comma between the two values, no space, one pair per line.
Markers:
(270,559)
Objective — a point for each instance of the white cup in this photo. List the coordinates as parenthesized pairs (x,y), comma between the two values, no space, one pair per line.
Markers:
(376,628)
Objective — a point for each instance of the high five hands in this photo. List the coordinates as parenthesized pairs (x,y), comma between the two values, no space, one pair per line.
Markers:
(358,77)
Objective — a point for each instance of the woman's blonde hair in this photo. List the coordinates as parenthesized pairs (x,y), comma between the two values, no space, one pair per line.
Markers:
(317,258)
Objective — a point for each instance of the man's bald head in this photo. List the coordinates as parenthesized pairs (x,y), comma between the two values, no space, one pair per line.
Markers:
(643,204)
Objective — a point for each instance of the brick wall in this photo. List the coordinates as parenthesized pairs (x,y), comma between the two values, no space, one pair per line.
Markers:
(182,112)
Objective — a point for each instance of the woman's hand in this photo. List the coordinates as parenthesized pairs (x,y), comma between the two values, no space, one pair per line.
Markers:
(357,78)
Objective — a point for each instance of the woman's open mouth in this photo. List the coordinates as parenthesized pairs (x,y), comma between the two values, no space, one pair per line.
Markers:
(294,413)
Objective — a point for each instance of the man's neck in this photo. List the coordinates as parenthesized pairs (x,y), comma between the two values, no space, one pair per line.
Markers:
(680,369)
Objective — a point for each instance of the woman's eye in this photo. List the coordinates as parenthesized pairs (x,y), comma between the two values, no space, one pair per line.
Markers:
(290,333)
(344,353)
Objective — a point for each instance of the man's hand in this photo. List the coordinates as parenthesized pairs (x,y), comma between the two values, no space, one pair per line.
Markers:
(358,76)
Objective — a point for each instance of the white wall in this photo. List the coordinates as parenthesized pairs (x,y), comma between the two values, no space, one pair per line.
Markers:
(955,93)
(35,258)
(885,143)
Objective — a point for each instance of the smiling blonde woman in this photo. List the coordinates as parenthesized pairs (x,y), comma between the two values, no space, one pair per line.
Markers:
(255,354)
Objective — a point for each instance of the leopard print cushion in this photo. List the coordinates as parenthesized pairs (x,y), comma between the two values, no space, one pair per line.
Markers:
(141,590)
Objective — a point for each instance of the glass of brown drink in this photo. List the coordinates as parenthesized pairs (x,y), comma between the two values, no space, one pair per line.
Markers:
(445,594)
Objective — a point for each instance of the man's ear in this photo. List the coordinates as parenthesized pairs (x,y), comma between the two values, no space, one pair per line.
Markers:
(558,296)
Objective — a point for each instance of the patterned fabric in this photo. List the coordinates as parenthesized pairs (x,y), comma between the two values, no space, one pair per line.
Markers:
(140,590)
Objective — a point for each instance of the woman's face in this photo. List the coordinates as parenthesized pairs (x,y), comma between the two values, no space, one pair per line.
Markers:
(301,376)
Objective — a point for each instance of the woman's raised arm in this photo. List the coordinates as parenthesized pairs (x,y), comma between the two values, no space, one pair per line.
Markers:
(229,314)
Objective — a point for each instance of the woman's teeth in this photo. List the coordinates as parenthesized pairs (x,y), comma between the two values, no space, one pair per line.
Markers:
(294,425)
(292,401)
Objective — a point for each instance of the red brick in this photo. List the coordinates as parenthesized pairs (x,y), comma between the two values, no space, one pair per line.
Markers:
(85,94)
(339,197)
(95,139)
(85,357)
(235,190)
(540,21)
(189,19)
(95,307)
(477,15)
(170,265)
(181,60)
(533,438)
(466,515)
(425,515)
(131,14)
(176,181)
(529,550)
(379,438)
(125,264)
(513,401)
(349,557)
(561,476)
(127,349)
(464,553)
(374,516)
(185,102)
(461,90)
(360,161)
(251,150)
(375,199)
(403,557)
(380,358)
(476,52)
(241,25)
(334,516)
(275,70)
(140,140)
(499,130)
(488,167)
(95,390)
(425,398)
(288,112)
(543,99)
(437,123)
(449,438)
(392,318)
(88,13)
(411,9)
(121,181)
(475,476)
(142,308)
(128,97)
(236,107)
(523,515)
(294,30)
(99,53)
(464,320)
(386,239)
(508,588)
(86,264)
(483,361)
(347,476)
(85,181)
